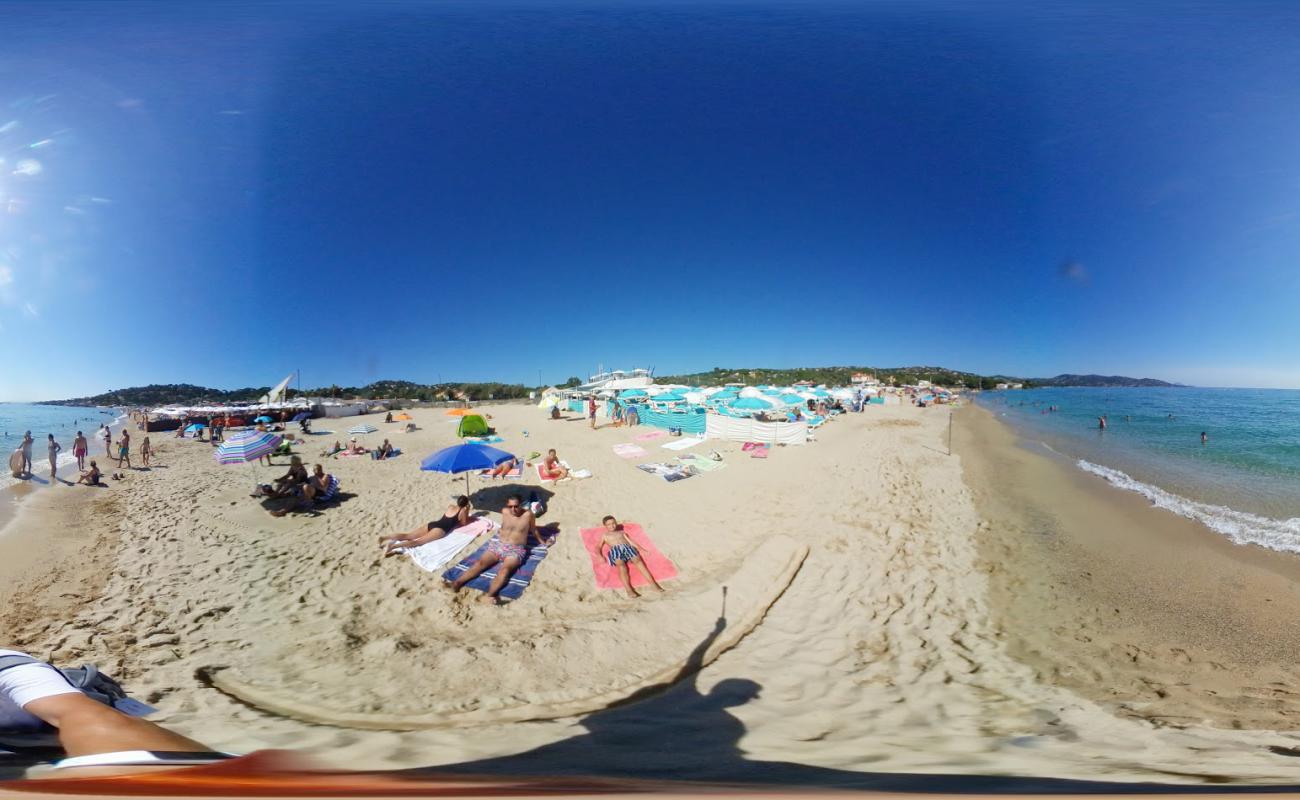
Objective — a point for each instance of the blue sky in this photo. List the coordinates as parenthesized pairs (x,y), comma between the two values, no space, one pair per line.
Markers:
(224,194)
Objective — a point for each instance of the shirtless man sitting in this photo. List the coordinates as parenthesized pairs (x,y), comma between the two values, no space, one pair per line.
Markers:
(509,548)
(552,469)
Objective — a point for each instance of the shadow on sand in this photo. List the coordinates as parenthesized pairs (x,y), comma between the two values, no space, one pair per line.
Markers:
(674,732)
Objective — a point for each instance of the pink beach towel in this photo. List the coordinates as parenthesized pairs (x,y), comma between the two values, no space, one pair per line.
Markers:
(542,475)
(759,451)
(651,436)
(607,575)
(628,451)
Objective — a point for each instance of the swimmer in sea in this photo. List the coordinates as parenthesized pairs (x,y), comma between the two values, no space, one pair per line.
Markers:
(1204,438)
(1101,423)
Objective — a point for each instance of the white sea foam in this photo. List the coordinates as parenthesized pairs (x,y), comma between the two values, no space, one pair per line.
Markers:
(1239,526)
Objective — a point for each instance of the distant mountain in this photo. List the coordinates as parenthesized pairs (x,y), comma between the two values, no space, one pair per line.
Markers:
(838,376)
(187,394)
(1108,381)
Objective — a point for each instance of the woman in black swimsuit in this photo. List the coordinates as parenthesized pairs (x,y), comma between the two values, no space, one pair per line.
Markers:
(455,516)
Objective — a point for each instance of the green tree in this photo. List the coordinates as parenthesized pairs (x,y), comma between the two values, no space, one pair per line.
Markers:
(571,382)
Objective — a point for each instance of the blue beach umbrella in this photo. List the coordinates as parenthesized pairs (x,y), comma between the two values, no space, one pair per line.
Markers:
(667,397)
(632,393)
(300,416)
(264,418)
(465,458)
(197,426)
(792,399)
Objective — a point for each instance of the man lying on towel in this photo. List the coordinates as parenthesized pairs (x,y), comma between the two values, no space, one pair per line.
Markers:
(509,548)
(455,516)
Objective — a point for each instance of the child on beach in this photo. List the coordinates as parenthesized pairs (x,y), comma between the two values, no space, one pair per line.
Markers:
(146,450)
(621,553)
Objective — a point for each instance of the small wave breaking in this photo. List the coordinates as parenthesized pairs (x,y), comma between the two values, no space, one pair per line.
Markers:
(1239,526)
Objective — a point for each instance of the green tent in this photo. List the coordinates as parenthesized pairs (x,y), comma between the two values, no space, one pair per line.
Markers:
(472,425)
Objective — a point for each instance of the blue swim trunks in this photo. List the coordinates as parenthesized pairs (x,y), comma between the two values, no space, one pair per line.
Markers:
(621,552)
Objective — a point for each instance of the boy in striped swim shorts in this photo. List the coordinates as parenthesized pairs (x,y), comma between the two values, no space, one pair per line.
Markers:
(621,553)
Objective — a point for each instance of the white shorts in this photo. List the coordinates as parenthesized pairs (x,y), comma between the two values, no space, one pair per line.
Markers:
(23,684)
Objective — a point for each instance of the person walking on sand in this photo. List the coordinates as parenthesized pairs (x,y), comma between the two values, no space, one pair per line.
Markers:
(621,553)
(124,450)
(79,448)
(591,410)
(27,453)
(54,448)
(509,548)
(146,450)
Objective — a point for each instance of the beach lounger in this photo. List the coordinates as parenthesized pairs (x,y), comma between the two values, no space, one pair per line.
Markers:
(434,555)
(606,575)
(518,581)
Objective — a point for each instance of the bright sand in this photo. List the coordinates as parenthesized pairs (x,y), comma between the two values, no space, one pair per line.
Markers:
(859,605)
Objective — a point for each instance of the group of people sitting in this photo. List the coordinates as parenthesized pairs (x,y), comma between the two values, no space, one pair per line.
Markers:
(510,545)
(310,489)
(354,448)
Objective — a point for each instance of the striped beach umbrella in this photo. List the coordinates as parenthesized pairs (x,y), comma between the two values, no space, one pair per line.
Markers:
(245,447)
(362,429)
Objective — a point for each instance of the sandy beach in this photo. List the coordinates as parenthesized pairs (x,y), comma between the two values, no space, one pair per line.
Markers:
(886,610)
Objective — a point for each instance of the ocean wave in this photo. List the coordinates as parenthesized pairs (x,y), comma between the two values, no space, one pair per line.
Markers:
(1239,526)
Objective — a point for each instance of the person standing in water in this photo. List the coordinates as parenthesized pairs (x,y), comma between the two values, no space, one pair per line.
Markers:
(1101,423)
(107,436)
(27,453)
(1204,438)
(54,448)
(79,449)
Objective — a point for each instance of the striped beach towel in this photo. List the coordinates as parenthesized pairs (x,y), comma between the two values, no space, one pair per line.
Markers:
(518,581)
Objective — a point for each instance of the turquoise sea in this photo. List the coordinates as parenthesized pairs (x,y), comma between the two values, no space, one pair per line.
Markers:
(62,421)
(1243,482)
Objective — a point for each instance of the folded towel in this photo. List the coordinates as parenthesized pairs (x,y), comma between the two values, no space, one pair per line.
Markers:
(628,451)
(683,443)
(435,554)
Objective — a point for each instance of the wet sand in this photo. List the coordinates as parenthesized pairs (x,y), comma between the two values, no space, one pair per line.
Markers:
(1151,614)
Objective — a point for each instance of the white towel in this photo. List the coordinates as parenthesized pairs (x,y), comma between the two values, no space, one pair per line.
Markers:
(682,444)
(439,552)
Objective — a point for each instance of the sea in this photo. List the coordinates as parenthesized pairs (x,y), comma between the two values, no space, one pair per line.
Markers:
(1243,482)
(63,422)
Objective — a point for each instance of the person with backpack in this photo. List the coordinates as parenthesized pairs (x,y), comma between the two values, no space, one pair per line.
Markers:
(37,699)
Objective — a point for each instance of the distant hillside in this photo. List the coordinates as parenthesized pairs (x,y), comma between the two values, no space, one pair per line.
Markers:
(940,376)
(164,394)
(187,394)
(1108,381)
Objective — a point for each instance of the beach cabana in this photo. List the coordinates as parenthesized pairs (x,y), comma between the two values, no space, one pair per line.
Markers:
(472,425)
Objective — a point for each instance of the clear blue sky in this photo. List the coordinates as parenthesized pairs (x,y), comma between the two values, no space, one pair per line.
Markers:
(223,194)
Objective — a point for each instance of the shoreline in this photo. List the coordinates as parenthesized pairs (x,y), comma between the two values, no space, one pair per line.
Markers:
(1152,614)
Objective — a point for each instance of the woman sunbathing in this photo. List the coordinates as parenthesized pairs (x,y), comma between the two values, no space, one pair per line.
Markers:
(454,517)
(503,469)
